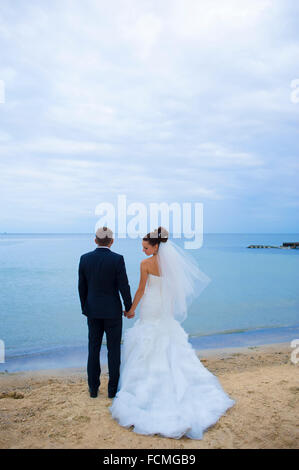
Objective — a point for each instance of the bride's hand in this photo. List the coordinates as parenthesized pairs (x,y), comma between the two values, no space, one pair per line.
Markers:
(130,314)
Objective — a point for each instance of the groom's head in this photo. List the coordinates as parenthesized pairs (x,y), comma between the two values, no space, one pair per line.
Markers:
(104,237)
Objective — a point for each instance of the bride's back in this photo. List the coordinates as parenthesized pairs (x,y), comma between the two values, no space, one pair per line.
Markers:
(152,266)
(151,302)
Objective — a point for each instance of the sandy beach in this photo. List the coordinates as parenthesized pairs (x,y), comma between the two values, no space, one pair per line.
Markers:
(52,409)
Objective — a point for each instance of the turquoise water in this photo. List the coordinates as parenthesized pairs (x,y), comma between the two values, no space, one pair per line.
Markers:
(252,290)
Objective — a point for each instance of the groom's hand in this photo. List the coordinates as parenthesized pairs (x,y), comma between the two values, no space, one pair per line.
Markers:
(130,314)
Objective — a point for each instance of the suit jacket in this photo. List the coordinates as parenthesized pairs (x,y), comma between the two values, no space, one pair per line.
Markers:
(102,275)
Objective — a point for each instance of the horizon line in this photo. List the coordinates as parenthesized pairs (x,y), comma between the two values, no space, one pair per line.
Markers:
(171,233)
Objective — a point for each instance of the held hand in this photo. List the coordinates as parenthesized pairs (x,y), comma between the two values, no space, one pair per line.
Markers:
(130,314)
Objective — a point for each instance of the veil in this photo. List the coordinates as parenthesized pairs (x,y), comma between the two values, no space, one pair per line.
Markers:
(181,279)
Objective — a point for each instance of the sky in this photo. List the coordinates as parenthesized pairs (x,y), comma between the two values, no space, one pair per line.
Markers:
(173,101)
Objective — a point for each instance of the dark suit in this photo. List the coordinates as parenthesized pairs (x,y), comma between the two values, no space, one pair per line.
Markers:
(102,275)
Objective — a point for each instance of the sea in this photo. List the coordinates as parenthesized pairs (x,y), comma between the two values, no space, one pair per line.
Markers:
(252,299)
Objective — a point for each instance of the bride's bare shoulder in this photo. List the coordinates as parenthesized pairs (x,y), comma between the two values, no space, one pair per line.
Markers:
(145,263)
(151,265)
(148,265)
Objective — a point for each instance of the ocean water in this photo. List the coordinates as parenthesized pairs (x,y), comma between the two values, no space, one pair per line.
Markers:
(253,297)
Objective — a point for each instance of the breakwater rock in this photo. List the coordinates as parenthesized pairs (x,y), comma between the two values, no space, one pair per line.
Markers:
(285,245)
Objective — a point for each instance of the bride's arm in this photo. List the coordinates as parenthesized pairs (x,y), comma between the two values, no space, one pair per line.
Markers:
(140,290)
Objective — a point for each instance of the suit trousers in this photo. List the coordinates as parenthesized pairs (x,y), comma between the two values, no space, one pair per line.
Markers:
(113,329)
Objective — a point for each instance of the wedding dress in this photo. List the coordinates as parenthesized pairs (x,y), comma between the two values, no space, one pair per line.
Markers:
(163,387)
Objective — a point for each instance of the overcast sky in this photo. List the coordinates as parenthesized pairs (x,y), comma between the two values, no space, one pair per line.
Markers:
(173,100)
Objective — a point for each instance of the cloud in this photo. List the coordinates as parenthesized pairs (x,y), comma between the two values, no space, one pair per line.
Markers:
(52,146)
(159,101)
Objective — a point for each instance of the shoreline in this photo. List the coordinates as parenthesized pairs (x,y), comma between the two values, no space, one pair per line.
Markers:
(76,356)
(211,353)
(52,408)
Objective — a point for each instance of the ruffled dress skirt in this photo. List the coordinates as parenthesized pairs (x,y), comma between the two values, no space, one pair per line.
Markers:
(163,388)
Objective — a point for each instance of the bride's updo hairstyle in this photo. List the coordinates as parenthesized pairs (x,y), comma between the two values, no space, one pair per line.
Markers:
(160,235)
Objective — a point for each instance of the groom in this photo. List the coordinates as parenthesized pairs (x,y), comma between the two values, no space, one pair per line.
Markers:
(102,275)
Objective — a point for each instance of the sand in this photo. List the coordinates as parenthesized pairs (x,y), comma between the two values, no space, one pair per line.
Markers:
(52,409)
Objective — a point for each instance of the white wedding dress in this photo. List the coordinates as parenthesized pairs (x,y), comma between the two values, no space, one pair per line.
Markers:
(163,387)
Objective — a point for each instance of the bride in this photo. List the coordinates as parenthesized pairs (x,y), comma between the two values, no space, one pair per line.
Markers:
(163,387)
